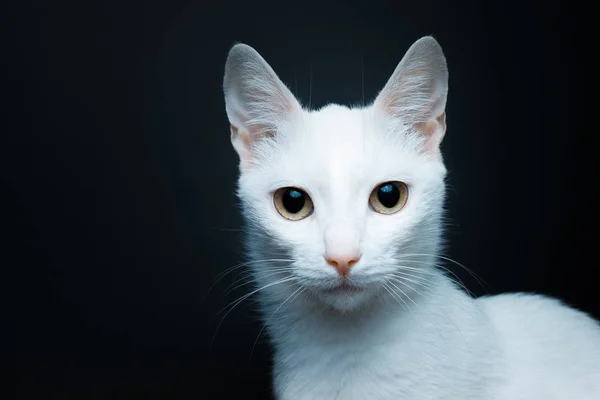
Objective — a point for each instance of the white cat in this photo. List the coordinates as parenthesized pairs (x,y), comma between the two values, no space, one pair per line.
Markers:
(344,209)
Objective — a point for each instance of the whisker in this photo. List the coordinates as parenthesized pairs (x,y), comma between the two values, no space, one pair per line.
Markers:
(273,272)
(244,297)
(246,275)
(400,280)
(401,291)
(398,299)
(458,280)
(424,282)
(299,291)
(418,271)
(471,272)
(247,263)
(479,279)
(222,274)
(235,303)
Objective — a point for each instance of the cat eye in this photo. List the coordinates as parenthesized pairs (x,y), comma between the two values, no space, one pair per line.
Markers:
(388,197)
(293,203)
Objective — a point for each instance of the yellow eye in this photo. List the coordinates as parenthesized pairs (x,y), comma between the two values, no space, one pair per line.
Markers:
(389,197)
(292,203)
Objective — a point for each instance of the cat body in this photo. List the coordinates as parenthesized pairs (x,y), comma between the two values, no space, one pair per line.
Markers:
(508,347)
(344,210)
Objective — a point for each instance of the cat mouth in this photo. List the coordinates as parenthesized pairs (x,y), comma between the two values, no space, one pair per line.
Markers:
(344,288)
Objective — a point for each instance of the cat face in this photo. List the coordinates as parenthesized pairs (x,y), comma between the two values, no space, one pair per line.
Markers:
(348,200)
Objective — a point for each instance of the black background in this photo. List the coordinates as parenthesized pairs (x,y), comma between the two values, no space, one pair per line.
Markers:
(120,175)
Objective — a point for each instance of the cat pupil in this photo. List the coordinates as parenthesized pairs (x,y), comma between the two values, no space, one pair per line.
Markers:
(388,195)
(293,200)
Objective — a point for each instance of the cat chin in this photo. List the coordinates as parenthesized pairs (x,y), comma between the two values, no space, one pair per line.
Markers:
(345,301)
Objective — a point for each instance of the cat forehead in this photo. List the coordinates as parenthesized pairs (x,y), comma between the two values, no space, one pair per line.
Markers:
(335,127)
(340,146)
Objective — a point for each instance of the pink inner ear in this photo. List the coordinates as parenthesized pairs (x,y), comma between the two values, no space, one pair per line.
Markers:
(241,144)
(244,141)
(433,131)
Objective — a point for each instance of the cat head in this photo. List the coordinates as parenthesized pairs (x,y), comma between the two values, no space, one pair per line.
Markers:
(342,204)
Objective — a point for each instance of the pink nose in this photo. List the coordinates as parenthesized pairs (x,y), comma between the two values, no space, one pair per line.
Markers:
(342,263)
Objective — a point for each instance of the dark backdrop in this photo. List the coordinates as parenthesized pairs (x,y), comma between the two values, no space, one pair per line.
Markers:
(120,175)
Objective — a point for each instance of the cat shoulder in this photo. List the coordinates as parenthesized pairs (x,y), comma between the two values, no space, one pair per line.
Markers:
(534,307)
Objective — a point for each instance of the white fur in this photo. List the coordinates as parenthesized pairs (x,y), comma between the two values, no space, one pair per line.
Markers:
(411,333)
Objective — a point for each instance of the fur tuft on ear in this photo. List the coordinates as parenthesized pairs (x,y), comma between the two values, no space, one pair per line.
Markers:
(256,100)
(416,93)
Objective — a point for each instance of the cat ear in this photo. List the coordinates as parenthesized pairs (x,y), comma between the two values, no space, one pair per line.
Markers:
(256,100)
(415,95)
